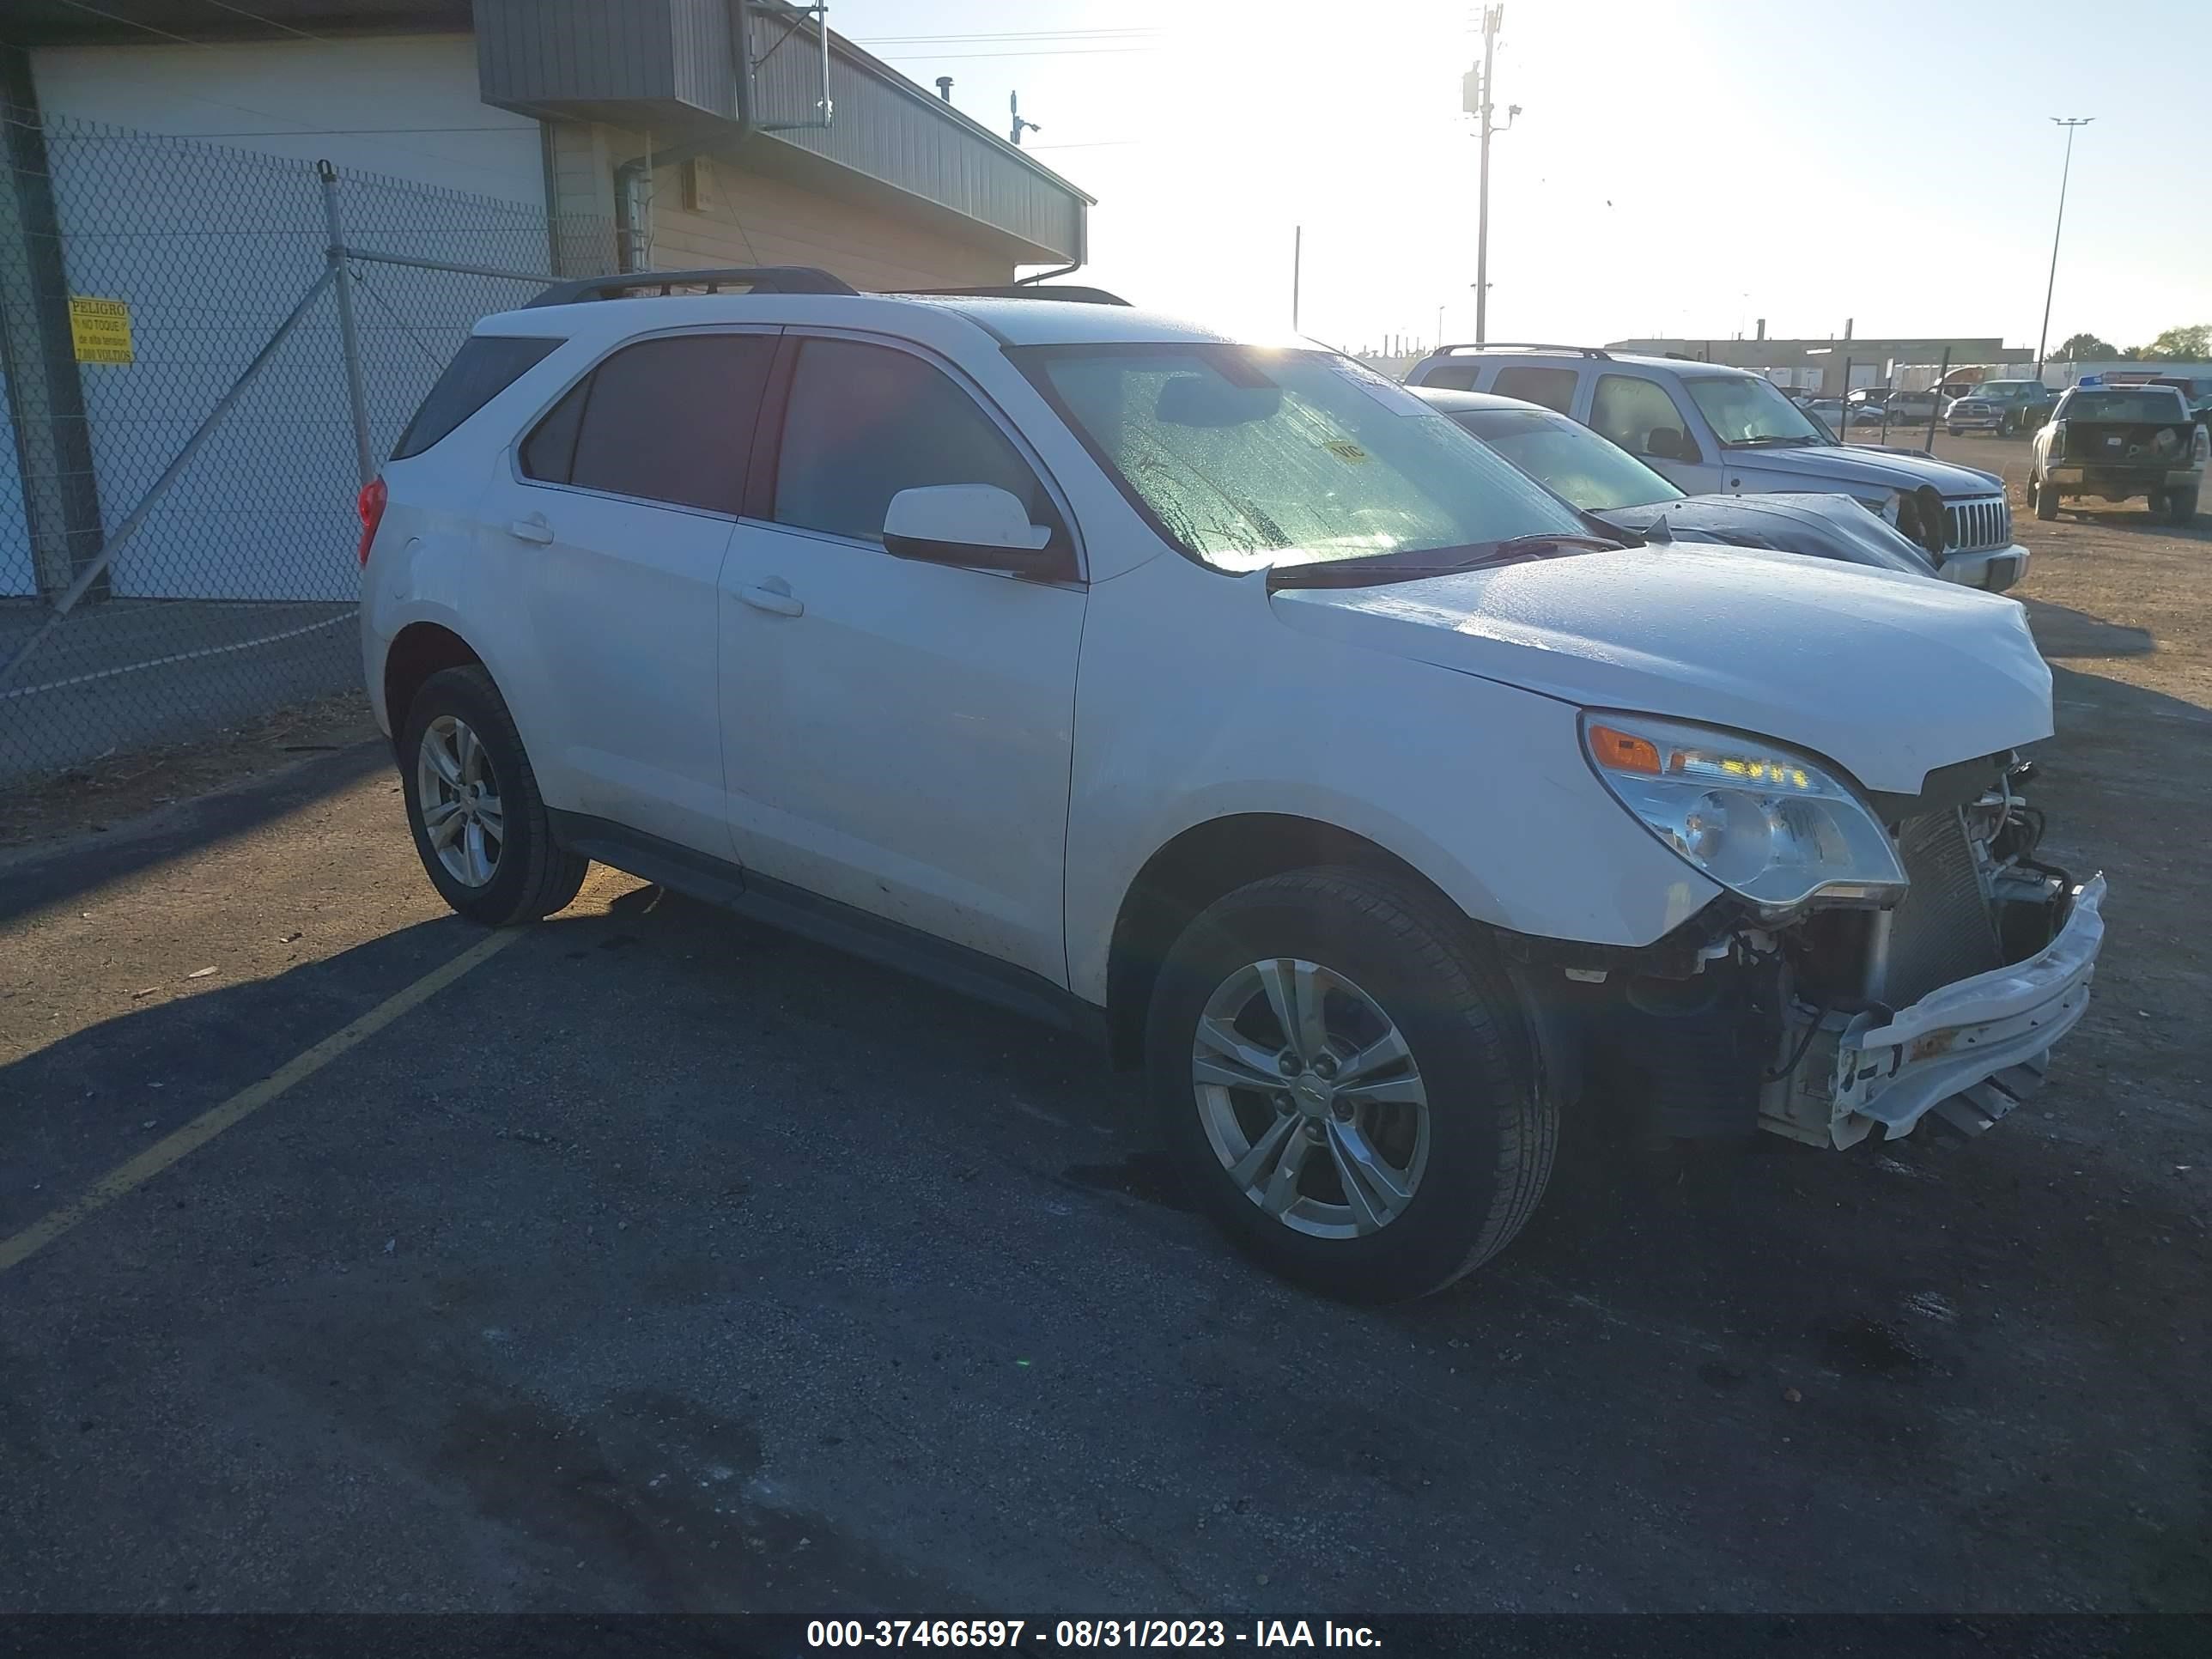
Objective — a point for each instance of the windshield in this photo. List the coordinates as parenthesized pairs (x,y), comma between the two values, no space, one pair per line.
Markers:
(1745,411)
(1253,458)
(1999,391)
(1593,473)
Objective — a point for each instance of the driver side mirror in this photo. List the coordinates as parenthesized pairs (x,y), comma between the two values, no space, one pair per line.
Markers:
(976,526)
(1669,443)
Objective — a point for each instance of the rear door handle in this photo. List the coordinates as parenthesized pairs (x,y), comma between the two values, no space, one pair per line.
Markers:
(532,529)
(776,601)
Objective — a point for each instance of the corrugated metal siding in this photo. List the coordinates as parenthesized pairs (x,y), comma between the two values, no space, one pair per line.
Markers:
(649,64)
(895,137)
(700,35)
(548,54)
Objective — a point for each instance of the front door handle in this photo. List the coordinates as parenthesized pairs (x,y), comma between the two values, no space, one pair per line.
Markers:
(773,598)
(532,529)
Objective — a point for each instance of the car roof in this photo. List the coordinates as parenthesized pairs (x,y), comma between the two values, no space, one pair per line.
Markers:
(1012,322)
(1567,356)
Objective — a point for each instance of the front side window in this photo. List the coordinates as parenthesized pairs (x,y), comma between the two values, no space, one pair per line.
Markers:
(866,421)
(1628,409)
(1554,388)
(668,420)
(1746,411)
(1571,460)
(1252,459)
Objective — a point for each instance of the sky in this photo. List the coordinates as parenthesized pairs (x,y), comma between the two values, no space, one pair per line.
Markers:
(1678,168)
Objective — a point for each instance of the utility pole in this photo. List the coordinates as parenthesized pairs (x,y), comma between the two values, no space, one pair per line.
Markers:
(2069,123)
(1475,98)
(1297,263)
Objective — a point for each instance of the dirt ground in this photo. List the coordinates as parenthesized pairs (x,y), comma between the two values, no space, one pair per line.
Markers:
(90,798)
(661,1262)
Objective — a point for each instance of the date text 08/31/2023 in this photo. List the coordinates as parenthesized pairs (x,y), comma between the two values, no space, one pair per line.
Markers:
(1085,1633)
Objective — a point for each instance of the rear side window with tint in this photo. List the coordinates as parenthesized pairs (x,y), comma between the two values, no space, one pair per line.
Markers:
(485,366)
(668,420)
(1453,377)
(1554,388)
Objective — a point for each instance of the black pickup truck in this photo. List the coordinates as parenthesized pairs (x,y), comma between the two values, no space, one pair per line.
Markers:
(2117,441)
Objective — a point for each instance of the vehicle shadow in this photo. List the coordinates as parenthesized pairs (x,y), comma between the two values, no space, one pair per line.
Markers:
(2062,631)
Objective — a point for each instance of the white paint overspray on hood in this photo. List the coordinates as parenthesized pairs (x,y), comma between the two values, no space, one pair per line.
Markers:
(1889,676)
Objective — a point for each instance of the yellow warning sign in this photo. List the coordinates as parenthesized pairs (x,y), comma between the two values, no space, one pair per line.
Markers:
(99,330)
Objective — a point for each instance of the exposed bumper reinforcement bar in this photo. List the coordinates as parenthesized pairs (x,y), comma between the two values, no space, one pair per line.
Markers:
(1968,1051)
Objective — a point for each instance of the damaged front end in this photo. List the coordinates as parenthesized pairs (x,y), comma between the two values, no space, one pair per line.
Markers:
(1949,1001)
(1845,987)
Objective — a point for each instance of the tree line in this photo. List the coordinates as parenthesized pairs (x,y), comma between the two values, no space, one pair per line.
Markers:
(2187,343)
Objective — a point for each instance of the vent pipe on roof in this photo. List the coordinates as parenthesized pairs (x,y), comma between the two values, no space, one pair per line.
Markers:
(945,88)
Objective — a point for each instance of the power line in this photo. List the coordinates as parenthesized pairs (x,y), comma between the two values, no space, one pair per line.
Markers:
(953,56)
(1009,35)
(305,34)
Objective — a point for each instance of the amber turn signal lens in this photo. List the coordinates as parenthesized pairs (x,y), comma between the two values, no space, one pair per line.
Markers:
(1623,753)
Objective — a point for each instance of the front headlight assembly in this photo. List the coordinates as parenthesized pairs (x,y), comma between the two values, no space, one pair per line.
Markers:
(1763,820)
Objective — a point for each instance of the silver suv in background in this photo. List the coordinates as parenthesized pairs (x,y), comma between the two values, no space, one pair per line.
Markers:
(1710,430)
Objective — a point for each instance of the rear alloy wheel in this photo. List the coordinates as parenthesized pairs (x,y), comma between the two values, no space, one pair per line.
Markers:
(2045,498)
(1345,1080)
(480,824)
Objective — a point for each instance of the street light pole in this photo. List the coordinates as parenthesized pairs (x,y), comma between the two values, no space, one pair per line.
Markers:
(1476,100)
(2069,123)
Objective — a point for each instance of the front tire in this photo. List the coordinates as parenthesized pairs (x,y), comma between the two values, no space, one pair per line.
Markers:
(2045,498)
(1348,1083)
(480,826)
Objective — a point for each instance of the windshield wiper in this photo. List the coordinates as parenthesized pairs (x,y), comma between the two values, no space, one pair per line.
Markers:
(1379,567)
(1774,440)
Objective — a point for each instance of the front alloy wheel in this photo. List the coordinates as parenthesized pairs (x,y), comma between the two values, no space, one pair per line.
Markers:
(1346,1081)
(1310,1098)
(457,793)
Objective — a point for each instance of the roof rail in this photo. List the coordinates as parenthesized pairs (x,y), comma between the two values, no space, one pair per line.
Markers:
(753,279)
(1520,345)
(1070,291)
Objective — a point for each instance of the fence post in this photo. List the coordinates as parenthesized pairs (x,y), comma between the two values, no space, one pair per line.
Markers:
(1936,408)
(349,338)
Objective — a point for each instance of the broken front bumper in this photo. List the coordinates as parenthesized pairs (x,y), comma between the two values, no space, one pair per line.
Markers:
(1967,1051)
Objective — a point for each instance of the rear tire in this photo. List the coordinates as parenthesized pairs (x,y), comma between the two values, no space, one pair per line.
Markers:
(2044,497)
(1431,1160)
(480,826)
(2181,507)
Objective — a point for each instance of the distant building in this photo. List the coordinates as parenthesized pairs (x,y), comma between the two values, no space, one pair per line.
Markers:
(1821,366)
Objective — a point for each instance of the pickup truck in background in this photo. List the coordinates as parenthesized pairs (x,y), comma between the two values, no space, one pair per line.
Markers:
(2004,407)
(2117,441)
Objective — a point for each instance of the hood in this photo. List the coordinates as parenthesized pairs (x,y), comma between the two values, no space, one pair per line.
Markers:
(1819,527)
(1846,466)
(1888,676)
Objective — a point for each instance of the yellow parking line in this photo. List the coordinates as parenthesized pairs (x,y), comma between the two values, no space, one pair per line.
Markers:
(212,1122)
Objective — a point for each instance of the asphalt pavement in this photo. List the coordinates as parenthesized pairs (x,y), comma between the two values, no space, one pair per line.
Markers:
(651,1259)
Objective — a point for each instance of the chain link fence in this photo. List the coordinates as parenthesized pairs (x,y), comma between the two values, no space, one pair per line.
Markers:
(189,409)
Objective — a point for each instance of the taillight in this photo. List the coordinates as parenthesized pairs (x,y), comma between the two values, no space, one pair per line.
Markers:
(370,506)
(2200,449)
(2058,429)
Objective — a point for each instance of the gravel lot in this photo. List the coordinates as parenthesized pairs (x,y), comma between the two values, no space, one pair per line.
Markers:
(661,1262)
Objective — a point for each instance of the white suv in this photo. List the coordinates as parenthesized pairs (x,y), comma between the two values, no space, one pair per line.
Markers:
(1227,701)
